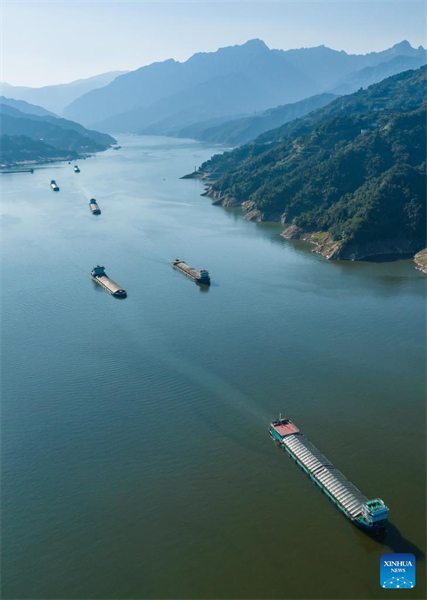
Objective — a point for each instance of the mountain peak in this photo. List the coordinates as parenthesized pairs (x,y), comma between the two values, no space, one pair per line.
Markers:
(256,43)
(403,45)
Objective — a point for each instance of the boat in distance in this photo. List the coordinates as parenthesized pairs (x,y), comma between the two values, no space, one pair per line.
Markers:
(369,515)
(93,205)
(201,276)
(99,275)
(76,169)
(54,185)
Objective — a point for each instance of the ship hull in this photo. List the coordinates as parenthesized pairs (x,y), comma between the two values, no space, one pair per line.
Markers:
(117,294)
(377,530)
(372,530)
(200,280)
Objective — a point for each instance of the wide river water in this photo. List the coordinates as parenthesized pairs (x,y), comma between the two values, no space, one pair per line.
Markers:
(136,461)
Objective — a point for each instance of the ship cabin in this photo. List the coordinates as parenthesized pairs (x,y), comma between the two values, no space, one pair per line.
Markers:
(204,276)
(375,512)
(281,428)
(98,271)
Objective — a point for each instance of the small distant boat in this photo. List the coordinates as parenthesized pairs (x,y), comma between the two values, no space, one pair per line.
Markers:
(76,169)
(116,147)
(197,276)
(99,275)
(54,186)
(93,205)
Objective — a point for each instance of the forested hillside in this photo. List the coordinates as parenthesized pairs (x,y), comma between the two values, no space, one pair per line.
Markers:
(20,149)
(354,170)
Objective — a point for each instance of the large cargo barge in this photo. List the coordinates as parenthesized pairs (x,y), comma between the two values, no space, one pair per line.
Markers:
(99,275)
(370,515)
(197,276)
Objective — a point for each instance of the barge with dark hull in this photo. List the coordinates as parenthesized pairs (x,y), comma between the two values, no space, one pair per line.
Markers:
(99,275)
(93,205)
(54,186)
(197,276)
(370,515)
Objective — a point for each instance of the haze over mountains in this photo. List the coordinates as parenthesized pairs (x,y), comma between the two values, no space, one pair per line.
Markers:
(240,130)
(228,97)
(56,97)
(165,97)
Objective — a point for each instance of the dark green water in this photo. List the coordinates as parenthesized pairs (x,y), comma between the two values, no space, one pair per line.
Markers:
(135,456)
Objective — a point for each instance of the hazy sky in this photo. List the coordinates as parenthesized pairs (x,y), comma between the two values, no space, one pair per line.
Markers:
(55,41)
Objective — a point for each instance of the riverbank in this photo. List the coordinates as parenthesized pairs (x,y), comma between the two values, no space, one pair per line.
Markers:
(27,165)
(421,260)
(324,243)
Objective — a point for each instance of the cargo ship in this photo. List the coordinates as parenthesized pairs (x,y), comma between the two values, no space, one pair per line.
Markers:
(99,275)
(54,186)
(93,205)
(76,169)
(197,276)
(369,515)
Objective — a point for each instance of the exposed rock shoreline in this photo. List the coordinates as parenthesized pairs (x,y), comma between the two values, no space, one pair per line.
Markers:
(323,242)
(421,260)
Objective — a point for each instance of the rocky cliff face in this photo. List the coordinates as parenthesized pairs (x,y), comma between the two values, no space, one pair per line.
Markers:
(323,242)
(421,260)
(340,250)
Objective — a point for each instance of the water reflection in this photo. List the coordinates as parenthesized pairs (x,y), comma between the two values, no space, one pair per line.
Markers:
(392,540)
(386,258)
(397,543)
(203,288)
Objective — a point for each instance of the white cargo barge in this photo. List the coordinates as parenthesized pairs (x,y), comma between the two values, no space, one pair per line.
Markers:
(99,275)
(201,276)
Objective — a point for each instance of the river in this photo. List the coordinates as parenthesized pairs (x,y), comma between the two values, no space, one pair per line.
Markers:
(136,461)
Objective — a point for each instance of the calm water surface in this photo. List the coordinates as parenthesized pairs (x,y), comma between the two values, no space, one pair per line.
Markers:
(135,456)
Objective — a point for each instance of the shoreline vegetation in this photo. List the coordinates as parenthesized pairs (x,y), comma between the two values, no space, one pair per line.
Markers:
(323,242)
(350,177)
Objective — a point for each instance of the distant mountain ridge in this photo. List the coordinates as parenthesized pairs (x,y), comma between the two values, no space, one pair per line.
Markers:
(55,98)
(237,79)
(61,133)
(373,74)
(27,136)
(26,107)
(163,97)
(244,129)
